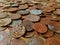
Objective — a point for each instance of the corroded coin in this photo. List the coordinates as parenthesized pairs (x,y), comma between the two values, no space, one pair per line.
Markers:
(17,31)
(18,42)
(33,18)
(40,27)
(28,25)
(5,21)
(4,38)
(14,16)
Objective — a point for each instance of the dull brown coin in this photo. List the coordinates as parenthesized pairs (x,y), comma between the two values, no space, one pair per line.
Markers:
(25,6)
(17,31)
(18,42)
(28,25)
(40,27)
(33,18)
(14,16)
(4,38)
(29,34)
(36,41)
(52,41)
(48,34)
(3,14)
(5,21)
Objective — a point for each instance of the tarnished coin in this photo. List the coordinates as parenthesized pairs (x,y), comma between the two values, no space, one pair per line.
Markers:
(17,31)
(52,41)
(18,42)
(23,12)
(28,25)
(16,22)
(36,41)
(14,16)
(35,12)
(3,14)
(33,18)
(29,34)
(5,21)
(48,34)
(4,38)
(40,27)
(25,6)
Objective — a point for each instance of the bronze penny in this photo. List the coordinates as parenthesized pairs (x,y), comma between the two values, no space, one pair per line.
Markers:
(4,38)
(33,18)
(5,21)
(28,25)
(25,6)
(48,34)
(40,27)
(14,16)
(17,31)
(18,42)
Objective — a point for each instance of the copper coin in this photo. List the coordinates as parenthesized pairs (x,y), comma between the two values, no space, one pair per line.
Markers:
(25,6)
(23,12)
(12,9)
(5,21)
(29,34)
(4,38)
(17,31)
(14,16)
(48,34)
(53,41)
(40,28)
(18,42)
(36,41)
(28,25)
(3,14)
(58,11)
(33,18)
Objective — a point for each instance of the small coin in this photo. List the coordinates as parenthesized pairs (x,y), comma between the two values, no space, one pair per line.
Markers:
(3,14)
(4,38)
(29,34)
(28,25)
(17,31)
(48,34)
(25,6)
(18,42)
(36,41)
(2,28)
(23,12)
(5,21)
(40,27)
(35,12)
(14,16)
(33,18)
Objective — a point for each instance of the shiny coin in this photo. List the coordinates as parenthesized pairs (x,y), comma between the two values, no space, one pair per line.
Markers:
(18,42)
(4,38)
(5,21)
(33,18)
(40,28)
(17,31)
(35,12)
(28,25)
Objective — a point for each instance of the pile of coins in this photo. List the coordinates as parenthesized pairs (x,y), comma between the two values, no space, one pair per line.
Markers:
(29,22)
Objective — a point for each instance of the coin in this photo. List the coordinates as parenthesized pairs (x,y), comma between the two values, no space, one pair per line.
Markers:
(25,6)
(4,38)
(5,21)
(14,16)
(35,12)
(28,25)
(3,14)
(17,31)
(18,42)
(2,28)
(40,27)
(33,18)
